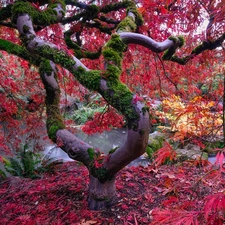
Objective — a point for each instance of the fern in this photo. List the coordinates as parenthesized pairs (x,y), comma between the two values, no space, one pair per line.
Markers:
(14,167)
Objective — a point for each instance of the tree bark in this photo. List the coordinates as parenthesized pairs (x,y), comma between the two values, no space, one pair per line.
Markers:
(102,191)
(102,195)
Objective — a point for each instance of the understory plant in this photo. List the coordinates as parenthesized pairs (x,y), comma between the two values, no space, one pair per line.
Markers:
(27,164)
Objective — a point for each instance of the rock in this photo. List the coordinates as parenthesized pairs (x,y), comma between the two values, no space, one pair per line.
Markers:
(14,181)
(155,134)
(192,151)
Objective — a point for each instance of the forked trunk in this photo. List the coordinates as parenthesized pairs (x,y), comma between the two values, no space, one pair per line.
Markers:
(102,195)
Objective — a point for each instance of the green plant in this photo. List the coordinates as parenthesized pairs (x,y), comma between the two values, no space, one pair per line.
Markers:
(154,145)
(28,164)
(84,114)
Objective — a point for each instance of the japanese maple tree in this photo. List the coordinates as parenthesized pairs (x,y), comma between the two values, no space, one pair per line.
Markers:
(105,44)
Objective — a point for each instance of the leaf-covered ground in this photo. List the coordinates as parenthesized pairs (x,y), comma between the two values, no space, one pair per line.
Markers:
(177,194)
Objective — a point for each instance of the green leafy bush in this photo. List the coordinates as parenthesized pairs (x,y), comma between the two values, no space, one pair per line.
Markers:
(154,145)
(28,164)
(84,114)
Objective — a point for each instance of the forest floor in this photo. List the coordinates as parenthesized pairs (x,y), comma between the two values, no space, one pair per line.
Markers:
(176,194)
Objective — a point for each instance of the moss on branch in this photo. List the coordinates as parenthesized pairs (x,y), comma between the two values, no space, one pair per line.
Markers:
(78,52)
(205,45)
(90,79)
(178,43)
(57,56)
(112,53)
(116,6)
(138,17)
(46,17)
(19,51)
(128,24)
(52,100)
(118,95)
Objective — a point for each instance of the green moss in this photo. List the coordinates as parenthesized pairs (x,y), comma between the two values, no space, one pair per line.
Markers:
(112,53)
(120,97)
(46,17)
(46,67)
(168,54)
(155,144)
(118,94)
(200,48)
(138,17)
(53,128)
(100,173)
(19,51)
(78,52)
(179,40)
(92,55)
(26,29)
(145,109)
(54,117)
(182,41)
(112,72)
(116,43)
(94,9)
(91,153)
(112,56)
(128,24)
(90,79)
(116,6)
(59,57)
(181,61)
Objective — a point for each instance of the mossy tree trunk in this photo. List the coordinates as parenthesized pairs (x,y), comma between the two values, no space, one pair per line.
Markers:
(102,191)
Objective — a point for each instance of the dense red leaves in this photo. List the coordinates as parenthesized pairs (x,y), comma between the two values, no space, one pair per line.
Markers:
(103,121)
(175,217)
(162,195)
(166,153)
(60,198)
(21,97)
(214,208)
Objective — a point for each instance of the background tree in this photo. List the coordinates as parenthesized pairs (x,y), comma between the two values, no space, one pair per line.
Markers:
(106,34)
